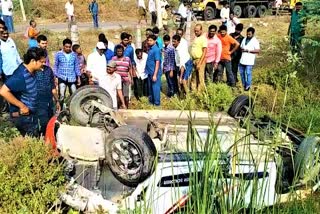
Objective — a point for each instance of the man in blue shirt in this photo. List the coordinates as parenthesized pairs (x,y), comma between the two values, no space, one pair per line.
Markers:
(21,92)
(154,71)
(156,32)
(67,70)
(46,93)
(128,50)
(94,9)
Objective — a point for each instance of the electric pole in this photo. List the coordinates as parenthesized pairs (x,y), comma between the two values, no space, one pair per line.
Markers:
(23,11)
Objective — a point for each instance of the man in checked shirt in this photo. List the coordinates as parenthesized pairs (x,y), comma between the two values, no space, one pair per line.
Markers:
(169,67)
(66,70)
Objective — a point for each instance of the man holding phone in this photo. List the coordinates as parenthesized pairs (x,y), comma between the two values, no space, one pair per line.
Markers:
(21,92)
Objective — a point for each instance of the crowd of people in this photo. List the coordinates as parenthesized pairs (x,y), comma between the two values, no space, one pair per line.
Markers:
(35,88)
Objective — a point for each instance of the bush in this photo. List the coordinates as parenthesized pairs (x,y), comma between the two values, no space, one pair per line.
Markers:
(29,179)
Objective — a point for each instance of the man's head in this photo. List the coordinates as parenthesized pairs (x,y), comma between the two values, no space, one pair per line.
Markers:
(226,5)
(35,58)
(223,30)
(77,49)
(239,28)
(125,38)
(32,23)
(156,31)
(71,1)
(67,45)
(212,31)
(176,40)
(167,8)
(5,34)
(198,30)
(231,15)
(152,39)
(179,32)
(250,32)
(298,6)
(111,67)
(2,25)
(130,39)
(139,53)
(101,48)
(119,51)
(148,32)
(102,38)
(42,41)
(166,40)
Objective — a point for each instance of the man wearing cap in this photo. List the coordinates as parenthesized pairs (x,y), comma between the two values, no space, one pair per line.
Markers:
(97,63)
(111,82)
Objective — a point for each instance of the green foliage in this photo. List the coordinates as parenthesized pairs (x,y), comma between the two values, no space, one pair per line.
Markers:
(217,97)
(30,180)
(7,130)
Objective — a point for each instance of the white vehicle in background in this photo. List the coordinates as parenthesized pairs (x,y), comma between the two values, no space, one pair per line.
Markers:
(151,160)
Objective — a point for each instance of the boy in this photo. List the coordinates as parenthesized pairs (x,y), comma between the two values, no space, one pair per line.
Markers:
(169,66)
(84,78)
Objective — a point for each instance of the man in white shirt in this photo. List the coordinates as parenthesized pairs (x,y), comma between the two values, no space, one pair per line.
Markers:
(140,82)
(225,13)
(7,9)
(153,12)
(142,11)
(278,4)
(69,7)
(250,46)
(183,62)
(97,63)
(183,11)
(111,82)
(183,41)
(10,56)
(232,23)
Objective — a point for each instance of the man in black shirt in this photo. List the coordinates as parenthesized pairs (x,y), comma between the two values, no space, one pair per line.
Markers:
(236,56)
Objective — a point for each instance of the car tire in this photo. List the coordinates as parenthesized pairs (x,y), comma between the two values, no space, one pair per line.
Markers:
(237,10)
(251,11)
(209,13)
(307,159)
(79,103)
(241,107)
(139,156)
(262,11)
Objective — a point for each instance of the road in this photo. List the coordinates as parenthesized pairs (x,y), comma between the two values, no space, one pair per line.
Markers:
(61,27)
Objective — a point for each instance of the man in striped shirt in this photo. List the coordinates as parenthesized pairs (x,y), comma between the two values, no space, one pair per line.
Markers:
(67,70)
(124,69)
(169,66)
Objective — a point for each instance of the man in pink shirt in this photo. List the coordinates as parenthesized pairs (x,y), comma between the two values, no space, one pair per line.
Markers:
(214,50)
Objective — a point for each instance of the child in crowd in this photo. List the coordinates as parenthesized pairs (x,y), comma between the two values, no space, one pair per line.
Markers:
(82,64)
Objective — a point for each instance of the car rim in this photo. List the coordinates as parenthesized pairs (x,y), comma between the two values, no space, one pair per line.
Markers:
(209,14)
(127,157)
(237,11)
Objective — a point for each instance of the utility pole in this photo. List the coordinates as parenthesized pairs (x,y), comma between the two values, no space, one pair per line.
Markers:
(159,14)
(23,11)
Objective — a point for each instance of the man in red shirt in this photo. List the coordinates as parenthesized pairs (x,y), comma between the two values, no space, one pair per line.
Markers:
(225,62)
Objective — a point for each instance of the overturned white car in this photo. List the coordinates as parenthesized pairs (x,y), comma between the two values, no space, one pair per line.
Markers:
(157,161)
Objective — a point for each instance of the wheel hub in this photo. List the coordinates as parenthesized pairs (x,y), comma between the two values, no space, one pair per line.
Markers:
(127,156)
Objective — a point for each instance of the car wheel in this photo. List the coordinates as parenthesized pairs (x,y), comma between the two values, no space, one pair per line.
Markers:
(262,11)
(307,159)
(209,13)
(241,107)
(237,10)
(251,11)
(130,155)
(80,103)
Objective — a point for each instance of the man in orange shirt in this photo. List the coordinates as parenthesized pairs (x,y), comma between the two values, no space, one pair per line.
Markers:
(225,62)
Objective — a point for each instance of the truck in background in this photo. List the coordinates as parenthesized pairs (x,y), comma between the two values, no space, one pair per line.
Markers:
(209,9)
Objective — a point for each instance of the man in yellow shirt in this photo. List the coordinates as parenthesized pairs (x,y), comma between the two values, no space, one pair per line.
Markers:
(198,54)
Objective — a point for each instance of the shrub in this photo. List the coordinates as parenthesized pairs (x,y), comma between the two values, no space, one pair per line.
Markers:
(29,179)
